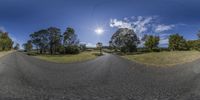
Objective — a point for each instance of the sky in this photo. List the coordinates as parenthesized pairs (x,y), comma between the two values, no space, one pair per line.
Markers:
(158,17)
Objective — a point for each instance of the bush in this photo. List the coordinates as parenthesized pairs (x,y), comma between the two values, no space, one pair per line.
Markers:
(61,49)
(72,50)
(152,42)
(156,50)
(177,42)
(194,44)
(82,47)
(32,53)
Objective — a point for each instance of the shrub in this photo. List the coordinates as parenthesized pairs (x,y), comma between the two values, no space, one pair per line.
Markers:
(31,53)
(156,50)
(72,49)
(177,42)
(61,49)
(194,44)
(152,42)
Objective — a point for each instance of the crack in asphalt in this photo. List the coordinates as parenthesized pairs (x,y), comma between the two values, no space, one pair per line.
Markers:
(108,77)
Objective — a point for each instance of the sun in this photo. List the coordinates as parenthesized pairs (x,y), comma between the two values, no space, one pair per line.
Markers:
(99,31)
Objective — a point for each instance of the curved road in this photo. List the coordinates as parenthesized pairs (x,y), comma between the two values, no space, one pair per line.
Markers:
(106,78)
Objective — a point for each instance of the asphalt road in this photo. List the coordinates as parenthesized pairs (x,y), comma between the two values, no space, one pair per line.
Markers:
(108,77)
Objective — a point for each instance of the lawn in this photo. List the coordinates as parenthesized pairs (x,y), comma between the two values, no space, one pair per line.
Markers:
(84,56)
(165,58)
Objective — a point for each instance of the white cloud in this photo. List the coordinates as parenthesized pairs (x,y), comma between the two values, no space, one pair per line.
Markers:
(88,44)
(164,39)
(139,24)
(162,28)
(14,39)
(145,25)
(120,24)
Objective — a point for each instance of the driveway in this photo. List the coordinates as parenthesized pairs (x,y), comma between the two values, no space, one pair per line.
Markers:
(108,77)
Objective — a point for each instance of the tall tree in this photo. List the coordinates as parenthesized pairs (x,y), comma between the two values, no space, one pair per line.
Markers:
(55,39)
(40,40)
(6,42)
(177,42)
(69,37)
(70,41)
(51,40)
(151,42)
(28,46)
(125,39)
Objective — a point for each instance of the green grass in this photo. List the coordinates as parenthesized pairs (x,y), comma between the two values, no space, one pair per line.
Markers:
(165,58)
(84,56)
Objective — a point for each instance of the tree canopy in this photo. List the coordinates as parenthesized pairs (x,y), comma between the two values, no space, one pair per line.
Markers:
(6,42)
(70,38)
(151,41)
(125,39)
(28,46)
(52,40)
(177,42)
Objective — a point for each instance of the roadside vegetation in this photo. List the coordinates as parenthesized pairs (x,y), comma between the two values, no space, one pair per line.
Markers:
(52,45)
(126,43)
(6,44)
(165,58)
(83,56)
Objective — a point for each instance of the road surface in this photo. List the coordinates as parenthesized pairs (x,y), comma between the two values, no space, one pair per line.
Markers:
(108,77)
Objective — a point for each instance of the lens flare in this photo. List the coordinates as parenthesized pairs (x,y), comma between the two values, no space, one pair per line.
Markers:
(99,31)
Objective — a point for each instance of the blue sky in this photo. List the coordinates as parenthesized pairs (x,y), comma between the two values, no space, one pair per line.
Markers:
(162,17)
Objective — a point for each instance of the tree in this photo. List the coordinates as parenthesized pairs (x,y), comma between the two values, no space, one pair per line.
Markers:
(152,42)
(6,42)
(17,46)
(50,40)
(55,39)
(125,39)
(73,49)
(193,44)
(70,41)
(177,42)
(70,38)
(99,46)
(40,40)
(28,46)
(82,47)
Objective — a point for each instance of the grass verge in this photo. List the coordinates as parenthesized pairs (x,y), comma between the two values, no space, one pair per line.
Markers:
(84,56)
(3,53)
(165,58)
